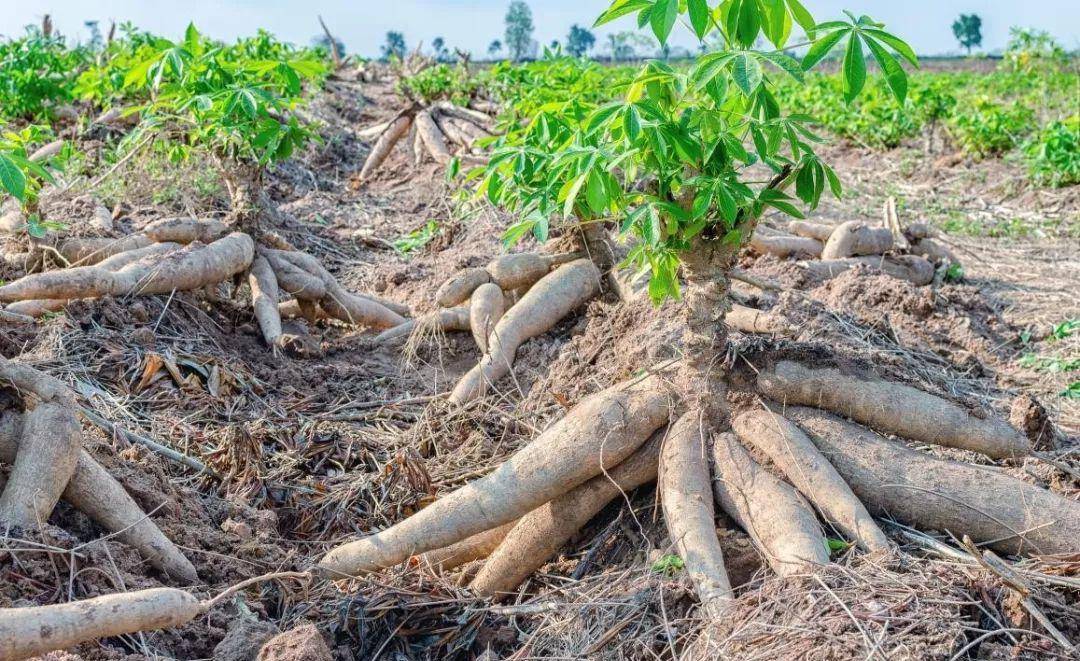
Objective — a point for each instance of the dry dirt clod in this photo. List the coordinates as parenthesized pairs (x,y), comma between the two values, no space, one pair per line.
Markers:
(303,643)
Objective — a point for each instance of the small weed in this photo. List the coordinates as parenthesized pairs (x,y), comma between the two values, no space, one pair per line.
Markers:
(1072,391)
(954,273)
(1051,364)
(416,239)
(1065,329)
(670,565)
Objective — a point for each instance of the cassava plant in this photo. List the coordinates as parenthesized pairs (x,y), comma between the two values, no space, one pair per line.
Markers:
(238,104)
(683,166)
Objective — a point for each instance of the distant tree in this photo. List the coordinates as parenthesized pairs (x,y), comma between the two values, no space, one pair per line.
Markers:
(494,47)
(968,30)
(395,45)
(438,45)
(96,41)
(626,45)
(579,41)
(519,30)
(323,41)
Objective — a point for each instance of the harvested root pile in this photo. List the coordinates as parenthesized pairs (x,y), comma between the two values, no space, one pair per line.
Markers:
(515,298)
(186,254)
(912,253)
(440,131)
(43,445)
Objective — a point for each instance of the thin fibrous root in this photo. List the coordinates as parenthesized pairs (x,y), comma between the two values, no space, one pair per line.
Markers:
(538,535)
(751,320)
(385,145)
(48,453)
(913,268)
(191,267)
(594,436)
(893,408)
(486,308)
(816,231)
(95,493)
(472,548)
(689,513)
(778,519)
(433,138)
(986,504)
(264,301)
(450,319)
(549,300)
(803,465)
(784,245)
(855,238)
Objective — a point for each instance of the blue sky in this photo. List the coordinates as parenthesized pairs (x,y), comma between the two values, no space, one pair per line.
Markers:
(362,24)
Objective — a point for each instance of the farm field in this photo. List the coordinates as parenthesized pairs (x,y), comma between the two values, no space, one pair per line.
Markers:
(758,353)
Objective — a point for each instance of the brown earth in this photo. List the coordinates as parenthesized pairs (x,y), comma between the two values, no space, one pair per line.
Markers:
(314,451)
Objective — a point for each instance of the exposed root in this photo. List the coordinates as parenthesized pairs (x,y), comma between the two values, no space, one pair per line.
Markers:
(784,245)
(27,632)
(816,231)
(893,408)
(486,308)
(596,435)
(48,452)
(93,491)
(804,466)
(855,238)
(936,494)
(477,547)
(687,499)
(433,138)
(190,268)
(387,140)
(422,328)
(779,520)
(551,299)
(538,535)
(751,320)
(264,301)
(460,286)
(913,268)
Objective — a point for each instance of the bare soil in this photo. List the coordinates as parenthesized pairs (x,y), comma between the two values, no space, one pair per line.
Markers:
(313,451)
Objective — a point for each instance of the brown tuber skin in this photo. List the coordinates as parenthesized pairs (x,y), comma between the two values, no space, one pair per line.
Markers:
(816,231)
(551,299)
(800,461)
(937,494)
(433,138)
(892,408)
(459,287)
(385,145)
(190,268)
(855,238)
(599,433)
(525,269)
(28,632)
(264,300)
(472,548)
(689,512)
(48,452)
(913,268)
(96,493)
(751,320)
(779,520)
(784,245)
(486,308)
(538,535)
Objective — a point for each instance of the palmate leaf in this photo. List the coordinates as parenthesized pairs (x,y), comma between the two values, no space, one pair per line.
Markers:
(621,8)
(895,75)
(662,18)
(12,178)
(700,17)
(821,47)
(746,71)
(853,70)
